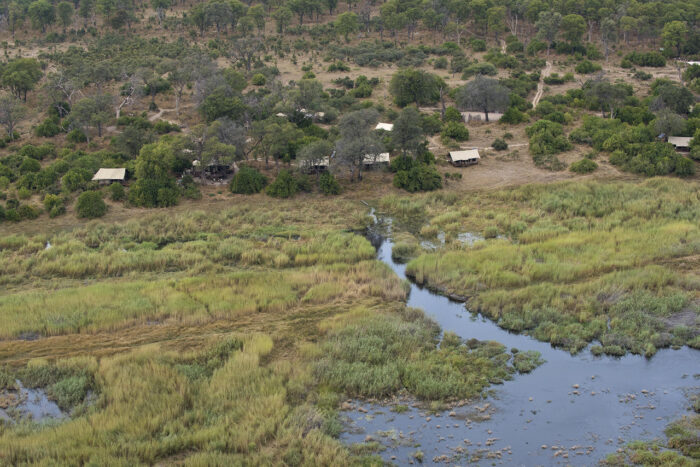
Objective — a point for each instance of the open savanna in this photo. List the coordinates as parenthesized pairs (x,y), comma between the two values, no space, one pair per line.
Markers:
(217,338)
(569,263)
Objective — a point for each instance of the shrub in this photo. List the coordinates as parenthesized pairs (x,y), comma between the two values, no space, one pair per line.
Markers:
(29,165)
(415,176)
(478,45)
(284,186)
(338,66)
(27,211)
(51,201)
(90,205)
(453,115)
(162,127)
(247,181)
(513,116)
(486,69)
(642,75)
(499,144)
(652,59)
(455,131)
(116,192)
(431,124)
(583,166)
(258,79)
(587,67)
(48,128)
(76,136)
(75,179)
(328,184)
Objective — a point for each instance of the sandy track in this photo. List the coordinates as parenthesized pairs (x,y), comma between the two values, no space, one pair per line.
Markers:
(540,86)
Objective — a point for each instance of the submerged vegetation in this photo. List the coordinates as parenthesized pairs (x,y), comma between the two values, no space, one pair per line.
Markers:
(572,263)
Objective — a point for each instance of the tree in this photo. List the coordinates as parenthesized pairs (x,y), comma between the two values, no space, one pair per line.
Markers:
(257,13)
(90,205)
(154,186)
(21,75)
(282,17)
(496,20)
(608,33)
(86,9)
(244,50)
(42,14)
(11,112)
(346,24)
(358,141)
(672,96)
(160,6)
(669,123)
(15,17)
(91,112)
(247,181)
(675,34)
(331,5)
(407,134)
(65,14)
(207,149)
(315,153)
(483,94)
(573,27)
(606,94)
(415,86)
(547,26)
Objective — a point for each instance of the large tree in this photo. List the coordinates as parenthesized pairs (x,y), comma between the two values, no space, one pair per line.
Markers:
(11,113)
(675,35)
(573,27)
(548,27)
(607,95)
(21,75)
(483,94)
(407,134)
(42,14)
(358,140)
(409,86)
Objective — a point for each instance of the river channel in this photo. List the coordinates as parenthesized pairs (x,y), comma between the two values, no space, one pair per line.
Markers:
(572,410)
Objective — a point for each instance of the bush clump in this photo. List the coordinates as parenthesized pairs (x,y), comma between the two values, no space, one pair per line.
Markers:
(499,144)
(90,205)
(328,184)
(456,131)
(412,175)
(284,186)
(583,166)
(247,181)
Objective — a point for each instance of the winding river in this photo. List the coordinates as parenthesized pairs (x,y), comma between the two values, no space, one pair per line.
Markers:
(572,410)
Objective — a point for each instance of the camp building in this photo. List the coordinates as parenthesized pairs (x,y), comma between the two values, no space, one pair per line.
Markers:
(104,176)
(464,158)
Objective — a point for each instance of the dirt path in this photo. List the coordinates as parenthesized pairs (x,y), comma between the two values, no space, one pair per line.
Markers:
(540,86)
(503,46)
(155,117)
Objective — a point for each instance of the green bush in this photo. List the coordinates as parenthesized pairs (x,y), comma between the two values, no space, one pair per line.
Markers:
(90,205)
(116,192)
(587,67)
(27,211)
(583,166)
(258,79)
(652,59)
(453,115)
(29,165)
(418,177)
(48,128)
(328,184)
(247,181)
(76,136)
(499,144)
(284,186)
(642,75)
(478,45)
(162,127)
(513,116)
(431,124)
(456,131)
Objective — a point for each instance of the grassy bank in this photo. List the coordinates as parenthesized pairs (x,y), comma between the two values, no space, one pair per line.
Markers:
(569,263)
(217,338)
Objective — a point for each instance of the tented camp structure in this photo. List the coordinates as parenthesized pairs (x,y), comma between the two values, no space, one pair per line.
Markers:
(464,158)
(384,126)
(104,176)
(681,143)
(370,160)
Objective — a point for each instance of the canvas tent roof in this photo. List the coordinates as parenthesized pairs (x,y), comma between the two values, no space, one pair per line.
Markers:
(109,174)
(680,141)
(381,158)
(466,155)
(384,126)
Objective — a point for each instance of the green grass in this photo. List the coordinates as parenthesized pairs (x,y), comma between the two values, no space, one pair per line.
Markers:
(580,262)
